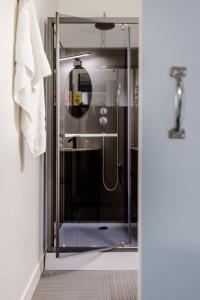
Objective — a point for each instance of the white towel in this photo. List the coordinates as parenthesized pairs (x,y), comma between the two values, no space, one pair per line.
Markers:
(31,68)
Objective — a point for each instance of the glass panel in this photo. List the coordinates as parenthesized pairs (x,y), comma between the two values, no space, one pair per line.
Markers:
(133,125)
(93,76)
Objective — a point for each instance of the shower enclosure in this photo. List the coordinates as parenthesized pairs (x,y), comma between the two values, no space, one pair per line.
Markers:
(92,126)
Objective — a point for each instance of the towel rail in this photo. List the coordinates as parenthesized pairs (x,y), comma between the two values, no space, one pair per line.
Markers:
(90,135)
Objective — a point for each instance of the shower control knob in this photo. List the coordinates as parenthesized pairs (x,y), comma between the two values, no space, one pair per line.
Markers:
(103,111)
(103,121)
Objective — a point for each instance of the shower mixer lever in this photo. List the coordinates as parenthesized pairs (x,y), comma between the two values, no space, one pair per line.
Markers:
(103,121)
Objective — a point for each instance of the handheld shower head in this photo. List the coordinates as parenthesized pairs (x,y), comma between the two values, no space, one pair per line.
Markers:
(118,93)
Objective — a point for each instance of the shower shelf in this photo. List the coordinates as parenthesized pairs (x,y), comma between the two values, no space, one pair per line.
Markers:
(91,135)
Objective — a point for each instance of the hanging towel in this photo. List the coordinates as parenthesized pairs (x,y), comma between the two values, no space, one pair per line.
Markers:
(30,69)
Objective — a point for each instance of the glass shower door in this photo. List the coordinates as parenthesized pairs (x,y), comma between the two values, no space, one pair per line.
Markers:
(93,135)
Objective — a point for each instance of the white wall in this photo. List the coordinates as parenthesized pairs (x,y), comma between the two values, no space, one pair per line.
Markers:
(170,168)
(45,9)
(96,8)
(21,204)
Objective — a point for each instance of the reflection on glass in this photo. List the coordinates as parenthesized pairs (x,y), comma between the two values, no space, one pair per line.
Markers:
(80,91)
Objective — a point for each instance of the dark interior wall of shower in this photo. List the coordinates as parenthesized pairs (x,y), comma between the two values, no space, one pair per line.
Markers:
(87,199)
(83,196)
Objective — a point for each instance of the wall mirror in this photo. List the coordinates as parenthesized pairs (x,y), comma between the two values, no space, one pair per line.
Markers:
(80,91)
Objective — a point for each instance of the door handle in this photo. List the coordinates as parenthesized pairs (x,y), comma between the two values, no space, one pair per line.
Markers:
(178,73)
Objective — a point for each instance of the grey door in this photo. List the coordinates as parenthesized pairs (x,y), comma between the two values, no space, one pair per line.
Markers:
(170,168)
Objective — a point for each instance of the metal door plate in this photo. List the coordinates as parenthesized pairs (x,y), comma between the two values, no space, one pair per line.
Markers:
(174,134)
(178,72)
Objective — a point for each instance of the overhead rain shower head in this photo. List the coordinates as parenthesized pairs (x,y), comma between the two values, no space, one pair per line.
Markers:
(105,26)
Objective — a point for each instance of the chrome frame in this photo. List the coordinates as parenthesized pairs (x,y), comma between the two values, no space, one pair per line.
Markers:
(49,109)
(78,20)
(49,151)
(57,134)
(129,134)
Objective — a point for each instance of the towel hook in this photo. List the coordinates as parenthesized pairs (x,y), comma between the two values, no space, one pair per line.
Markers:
(178,73)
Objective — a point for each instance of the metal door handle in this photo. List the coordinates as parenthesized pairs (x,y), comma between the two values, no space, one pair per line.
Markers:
(178,73)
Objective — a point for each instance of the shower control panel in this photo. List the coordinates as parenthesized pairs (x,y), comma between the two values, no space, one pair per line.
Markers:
(103,119)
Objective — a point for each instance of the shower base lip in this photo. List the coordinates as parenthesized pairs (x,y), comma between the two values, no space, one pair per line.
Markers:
(80,250)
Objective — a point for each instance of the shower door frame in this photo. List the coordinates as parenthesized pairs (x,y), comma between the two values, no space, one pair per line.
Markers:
(49,180)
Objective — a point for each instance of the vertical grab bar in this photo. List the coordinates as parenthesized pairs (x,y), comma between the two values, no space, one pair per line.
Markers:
(178,73)
(57,135)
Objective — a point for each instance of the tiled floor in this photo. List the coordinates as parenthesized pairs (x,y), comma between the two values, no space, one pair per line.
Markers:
(87,285)
(90,235)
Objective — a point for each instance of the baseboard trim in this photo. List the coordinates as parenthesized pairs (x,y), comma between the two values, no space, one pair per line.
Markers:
(33,281)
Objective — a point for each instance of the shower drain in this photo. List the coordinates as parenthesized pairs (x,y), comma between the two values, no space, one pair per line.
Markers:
(103,228)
